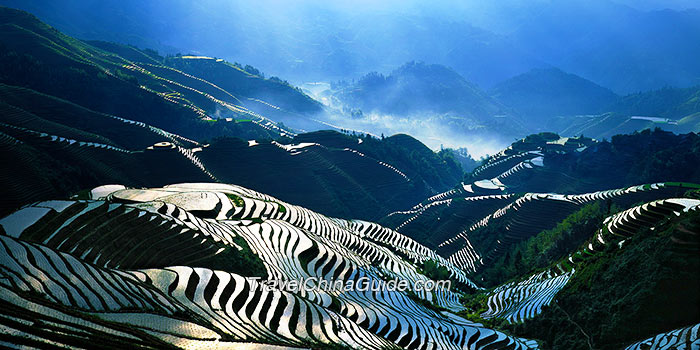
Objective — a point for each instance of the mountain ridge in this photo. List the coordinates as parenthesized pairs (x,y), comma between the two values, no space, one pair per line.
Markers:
(544,93)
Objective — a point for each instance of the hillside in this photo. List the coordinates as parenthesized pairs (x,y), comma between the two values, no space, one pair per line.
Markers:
(60,148)
(672,109)
(625,48)
(546,164)
(426,100)
(437,170)
(170,285)
(140,119)
(419,87)
(648,264)
(544,93)
(533,226)
(38,57)
(674,103)
(211,254)
(243,86)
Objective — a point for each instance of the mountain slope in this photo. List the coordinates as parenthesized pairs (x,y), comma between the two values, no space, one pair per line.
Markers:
(55,148)
(544,93)
(672,109)
(566,240)
(419,87)
(540,254)
(428,100)
(84,115)
(39,57)
(543,165)
(665,292)
(244,86)
(132,287)
(617,46)
(417,161)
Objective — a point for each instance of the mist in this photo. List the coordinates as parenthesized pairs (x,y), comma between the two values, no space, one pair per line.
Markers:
(486,42)
(431,131)
(624,46)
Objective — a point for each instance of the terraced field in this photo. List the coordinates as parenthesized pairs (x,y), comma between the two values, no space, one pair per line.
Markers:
(447,217)
(114,231)
(683,338)
(339,182)
(110,267)
(450,222)
(473,230)
(441,218)
(453,222)
(50,140)
(520,300)
(623,225)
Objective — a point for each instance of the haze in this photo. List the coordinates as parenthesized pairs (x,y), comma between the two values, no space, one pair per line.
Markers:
(624,46)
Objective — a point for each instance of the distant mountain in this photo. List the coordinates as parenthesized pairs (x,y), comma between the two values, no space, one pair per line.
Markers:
(98,77)
(54,148)
(618,47)
(418,91)
(159,202)
(75,115)
(544,93)
(310,42)
(672,109)
(418,87)
(673,103)
(623,48)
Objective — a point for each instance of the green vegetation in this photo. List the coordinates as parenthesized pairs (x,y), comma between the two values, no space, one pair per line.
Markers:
(61,86)
(643,157)
(544,249)
(439,170)
(475,304)
(248,82)
(692,194)
(543,93)
(646,156)
(243,262)
(538,139)
(460,156)
(435,271)
(668,102)
(672,109)
(651,283)
(420,301)
(236,200)
(35,56)
(330,180)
